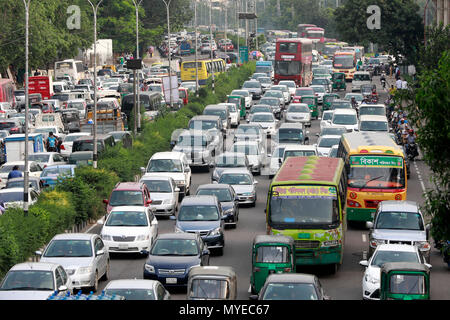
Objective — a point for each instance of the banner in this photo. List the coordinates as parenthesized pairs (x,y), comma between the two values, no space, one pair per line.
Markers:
(376,161)
(304,192)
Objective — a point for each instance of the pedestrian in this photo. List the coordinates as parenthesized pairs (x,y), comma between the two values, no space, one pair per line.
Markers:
(404,84)
(51,142)
(15,173)
(2,208)
(398,84)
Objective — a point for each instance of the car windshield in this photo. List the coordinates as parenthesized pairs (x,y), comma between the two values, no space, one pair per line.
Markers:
(367,110)
(251,84)
(127,219)
(230,161)
(39,157)
(320,89)
(399,221)
(260,109)
(384,256)
(248,130)
(236,179)
(327,115)
(289,135)
(298,108)
(290,291)
(6,197)
(69,248)
(373,126)
(260,117)
(358,97)
(273,93)
(192,141)
(287,84)
(198,213)
(76,105)
(304,92)
(158,186)
(319,81)
(19,183)
(215,112)
(333,131)
(175,247)
(361,77)
(299,153)
(126,198)
(8,167)
(345,119)
(209,289)
(328,142)
(54,172)
(270,102)
(248,149)
(164,165)
(202,125)
(240,93)
(132,293)
(7,125)
(32,280)
(264,80)
(320,71)
(224,195)
(341,105)
(231,107)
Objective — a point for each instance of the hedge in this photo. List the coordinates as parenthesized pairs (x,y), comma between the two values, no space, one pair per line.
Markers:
(79,199)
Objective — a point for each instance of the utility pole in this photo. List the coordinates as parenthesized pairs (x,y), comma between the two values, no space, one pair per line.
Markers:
(237,30)
(170,53)
(210,44)
(137,113)
(196,40)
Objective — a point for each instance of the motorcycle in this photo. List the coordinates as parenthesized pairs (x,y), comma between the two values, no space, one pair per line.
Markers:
(412,151)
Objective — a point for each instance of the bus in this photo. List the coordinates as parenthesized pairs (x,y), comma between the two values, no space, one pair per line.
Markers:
(70,67)
(301,29)
(293,61)
(345,61)
(265,67)
(205,69)
(376,170)
(329,50)
(7,88)
(306,201)
(318,36)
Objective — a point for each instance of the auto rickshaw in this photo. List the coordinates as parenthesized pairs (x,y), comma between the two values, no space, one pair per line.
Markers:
(271,254)
(328,99)
(404,281)
(212,283)
(338,80)
(239,101)
(313,105)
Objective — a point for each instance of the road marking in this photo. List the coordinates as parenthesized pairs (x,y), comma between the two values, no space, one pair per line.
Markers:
(249,288)
(364,237)
(419,176)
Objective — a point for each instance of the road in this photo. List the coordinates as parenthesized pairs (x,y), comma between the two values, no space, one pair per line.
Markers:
(344,285)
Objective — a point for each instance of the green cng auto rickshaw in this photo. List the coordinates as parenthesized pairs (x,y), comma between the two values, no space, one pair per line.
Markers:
(338,79)
(212,283)
(404,281)
(239,101)
(271,254)
(328,99)
(313,105)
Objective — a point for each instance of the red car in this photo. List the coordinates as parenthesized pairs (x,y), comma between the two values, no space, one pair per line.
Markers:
(303,91)
(128,194)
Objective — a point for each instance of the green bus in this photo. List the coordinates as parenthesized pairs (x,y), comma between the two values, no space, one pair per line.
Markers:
(306,201)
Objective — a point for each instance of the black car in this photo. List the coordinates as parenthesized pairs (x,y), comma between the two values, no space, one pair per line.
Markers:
(203,215)
(227,198)
(172,255)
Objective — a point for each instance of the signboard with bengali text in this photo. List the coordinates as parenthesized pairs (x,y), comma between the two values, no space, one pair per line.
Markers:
(304,192)
(376,161)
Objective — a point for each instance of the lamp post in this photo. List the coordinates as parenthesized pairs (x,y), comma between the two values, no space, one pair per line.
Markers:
(167,3)
(196,40)
(95,10)
(26,170)
(210,43)
(137,113)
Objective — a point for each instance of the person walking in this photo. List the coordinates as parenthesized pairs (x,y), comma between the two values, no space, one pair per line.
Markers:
(51,143)
(15,173)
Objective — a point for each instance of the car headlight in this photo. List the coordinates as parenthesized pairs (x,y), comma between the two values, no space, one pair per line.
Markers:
(167,201)
(215,232)
(332,243)
(371,279)
(423,245)
(106,237)
(142,237)
(149,268)
(84,270)
(248,193)
(229,211)
(376,242)
(178,229)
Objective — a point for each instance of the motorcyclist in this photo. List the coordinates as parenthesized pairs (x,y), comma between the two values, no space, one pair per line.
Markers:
(410,140)
(383,79)
(354,103)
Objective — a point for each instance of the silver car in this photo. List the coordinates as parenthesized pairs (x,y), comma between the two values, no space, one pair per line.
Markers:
(164,194)
(399,222)
(198,147)
(83,256)
(137,289)
(243,183)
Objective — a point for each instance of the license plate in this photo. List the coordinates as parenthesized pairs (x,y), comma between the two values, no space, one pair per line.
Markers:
(171,280)
(123,246)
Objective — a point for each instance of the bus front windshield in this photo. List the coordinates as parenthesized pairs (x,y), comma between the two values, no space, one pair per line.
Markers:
(376,172)
(346,61)
(304,206)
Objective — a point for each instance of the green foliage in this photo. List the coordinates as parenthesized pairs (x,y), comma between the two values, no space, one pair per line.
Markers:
(438,41)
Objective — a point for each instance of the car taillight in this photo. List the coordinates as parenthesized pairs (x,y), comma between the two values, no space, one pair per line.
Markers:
(62,147)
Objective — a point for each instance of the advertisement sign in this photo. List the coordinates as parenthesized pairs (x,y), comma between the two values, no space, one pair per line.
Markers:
(166,88)
(376,161)
(243,54)
(304,192)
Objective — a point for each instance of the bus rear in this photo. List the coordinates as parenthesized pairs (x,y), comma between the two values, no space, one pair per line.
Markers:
(188,73)
(345,62)
(306,202)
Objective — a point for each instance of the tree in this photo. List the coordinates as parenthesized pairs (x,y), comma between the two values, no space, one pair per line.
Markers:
(436,43)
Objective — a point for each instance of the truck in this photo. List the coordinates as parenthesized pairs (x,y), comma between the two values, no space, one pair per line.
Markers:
(14,146)
(42,85)
(185,48)
(109,118)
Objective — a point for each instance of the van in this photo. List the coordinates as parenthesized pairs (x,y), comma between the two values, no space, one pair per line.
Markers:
(86,143)
(360,78)
(372,109)
(373,123)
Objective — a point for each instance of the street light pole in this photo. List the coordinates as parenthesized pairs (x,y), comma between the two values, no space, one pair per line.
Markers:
(137,113)
(95,9)
(210,44)
(26,170)
(196,40)
(170,60)
(237,31)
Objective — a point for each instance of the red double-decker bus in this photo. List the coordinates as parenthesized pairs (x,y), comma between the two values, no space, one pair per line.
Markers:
(301,29)
(318,36)
(293,60)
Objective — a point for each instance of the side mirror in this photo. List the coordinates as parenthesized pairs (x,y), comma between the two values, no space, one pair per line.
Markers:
(149,201)
(428,265)
(255,182)
(177,189)
(205,252)
(100,252)
(187,169)
(62,288)
(38,253)
(364,263)
(142,170)
(100,222)
(172,218)
(253,297)
(369,224)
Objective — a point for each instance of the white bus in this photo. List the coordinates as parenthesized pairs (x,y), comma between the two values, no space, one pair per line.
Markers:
(70,67)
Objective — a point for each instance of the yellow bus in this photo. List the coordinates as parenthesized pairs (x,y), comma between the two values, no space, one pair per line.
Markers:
(345,61)
(205,69)
(376,171)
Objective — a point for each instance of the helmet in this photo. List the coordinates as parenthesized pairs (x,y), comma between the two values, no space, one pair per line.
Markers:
(411,131)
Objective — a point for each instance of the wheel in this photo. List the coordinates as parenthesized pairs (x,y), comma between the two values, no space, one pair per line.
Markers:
(94,288)
(220,251)
(106,276)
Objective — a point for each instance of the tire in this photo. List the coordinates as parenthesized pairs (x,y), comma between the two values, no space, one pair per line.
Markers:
(220,251)
(94,288)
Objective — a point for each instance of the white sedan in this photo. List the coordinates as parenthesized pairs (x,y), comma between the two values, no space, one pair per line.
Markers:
(266,120)
(129,229)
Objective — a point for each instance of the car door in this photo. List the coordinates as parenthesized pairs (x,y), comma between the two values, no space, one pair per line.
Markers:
(58,159)
(174,192)
(153,225)
(65,279)
(101,260)
(204,260)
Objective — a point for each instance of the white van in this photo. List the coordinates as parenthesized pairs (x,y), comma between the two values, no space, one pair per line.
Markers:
(360,78)
(373,123)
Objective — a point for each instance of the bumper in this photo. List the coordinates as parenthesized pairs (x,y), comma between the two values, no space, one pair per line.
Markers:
(243,199)
(127,247)
(164,209)
(370,291)
(197,162)
(354,214)
(320,256)
(214,242)
(181,280)
(82,281)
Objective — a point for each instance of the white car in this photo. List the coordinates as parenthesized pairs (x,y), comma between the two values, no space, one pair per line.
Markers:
(13,197)
(290,84)
(164,194)
(45,159)
(324,144)
(346,118)
(327,115)
(246,94)
(284,89)
(129,229)
(266,120)
(373,123)
(235,115)
(137,289)
(254,151)
(66,146)
(34,169)
(34,281)
(383,254)
(298,112)
(299,151)
(319,92)
(275,158)
(82,255)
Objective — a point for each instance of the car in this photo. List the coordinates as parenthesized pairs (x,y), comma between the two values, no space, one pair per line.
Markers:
(266,120)
(291,133)
(258,75)
(171,257)
(129,229)
(324,144)
(358,97)
(272,93)
(373,123)
(243,183)
(221,111)
(53,174)
(360,78)
(302,91)
(257,108)
(274,102)
(290,84)
(34,281)
(171,164)
(212,124)
(399,221)
(34,182)
(298,113)
(34,170)
(250,131)
(284,89)
(254,151)
(292,150)
(319,91)
(333,151)
(45,159)
(275,158)
(324,82)
(13,125)
(164,193)
(246,94)
(227,198)
(372,109)
(128,194)
(70,119)
(229,160)
(137,289)
(254,87)
(291,286)
(233,112)
(385,253)
(321,72)
(346,118)
(78,104)
(332,131)
(125,137)
(83,256)
(341,104)
(266,83)
(13,197)
(198,147)
(327,115)
(203,214)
